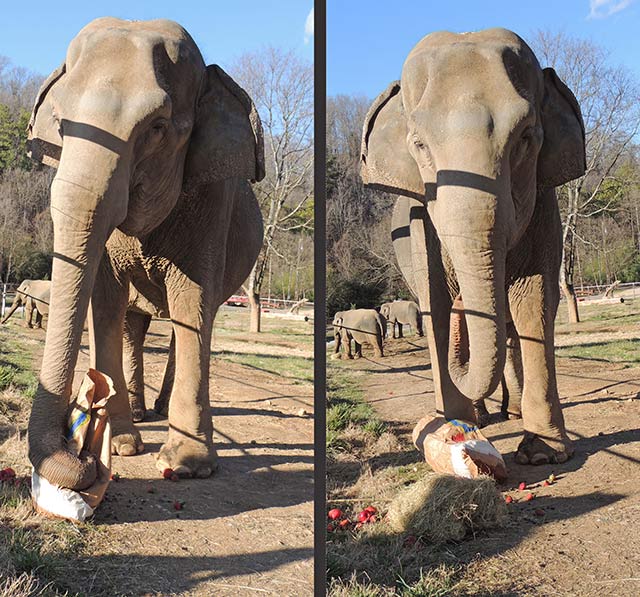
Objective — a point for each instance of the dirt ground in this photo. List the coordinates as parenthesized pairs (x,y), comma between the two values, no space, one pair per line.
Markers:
(247,530)
(584,542)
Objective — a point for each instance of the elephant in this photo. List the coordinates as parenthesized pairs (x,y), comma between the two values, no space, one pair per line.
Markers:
(401,312)
(34,295)
(155,152)
(361,325)
(474,138)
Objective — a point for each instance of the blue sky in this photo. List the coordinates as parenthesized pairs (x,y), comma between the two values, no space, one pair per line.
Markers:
(35,33)
(368,40)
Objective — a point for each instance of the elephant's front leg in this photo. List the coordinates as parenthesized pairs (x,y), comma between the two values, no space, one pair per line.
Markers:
(189,447)
(346,343)
(106,323)
(534,303)
(135,329)
(28,306)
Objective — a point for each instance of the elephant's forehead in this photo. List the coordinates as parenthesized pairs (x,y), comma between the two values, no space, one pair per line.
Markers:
(494,65)
(116,34)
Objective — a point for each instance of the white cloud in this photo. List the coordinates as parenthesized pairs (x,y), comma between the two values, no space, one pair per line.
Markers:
(601,9)
(308,27)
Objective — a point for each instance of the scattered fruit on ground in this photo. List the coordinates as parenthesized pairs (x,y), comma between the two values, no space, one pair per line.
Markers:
(7,473)
(115,477)
(330,528)
(528,497)
(546,483)
(178,505)
(343,524)
(522,486)
(166,473)
(334,514)
(551,478)
(370,509)
(508,499)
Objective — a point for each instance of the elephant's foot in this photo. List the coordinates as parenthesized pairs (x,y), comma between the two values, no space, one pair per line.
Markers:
(188,457)
(510,415)
(482,414)
(126,440)
(138,408)
(535,450)
(161,406)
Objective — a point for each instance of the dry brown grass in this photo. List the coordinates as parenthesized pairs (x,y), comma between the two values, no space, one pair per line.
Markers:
(444,508)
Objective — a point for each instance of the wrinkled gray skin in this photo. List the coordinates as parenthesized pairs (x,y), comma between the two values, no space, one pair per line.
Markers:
(35,296)
(512,379)
(363,326)
(475,137)
(402,312)
(153,151)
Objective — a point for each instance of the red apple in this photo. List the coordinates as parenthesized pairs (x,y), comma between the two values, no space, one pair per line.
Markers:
(334,514)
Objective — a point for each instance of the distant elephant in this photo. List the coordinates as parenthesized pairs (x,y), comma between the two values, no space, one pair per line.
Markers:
(35,296)
(154,152)
(360,325)
(474,137)
(401,312)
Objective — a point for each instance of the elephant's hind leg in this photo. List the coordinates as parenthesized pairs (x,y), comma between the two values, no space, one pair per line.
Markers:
(189,449)
(135,329)
(161,405)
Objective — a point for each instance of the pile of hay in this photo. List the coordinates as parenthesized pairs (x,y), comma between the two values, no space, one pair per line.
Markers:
(443,507)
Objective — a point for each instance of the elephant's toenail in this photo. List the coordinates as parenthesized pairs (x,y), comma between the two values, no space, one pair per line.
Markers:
(539,458)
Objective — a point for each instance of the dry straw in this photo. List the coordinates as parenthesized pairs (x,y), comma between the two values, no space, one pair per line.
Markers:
(443,507)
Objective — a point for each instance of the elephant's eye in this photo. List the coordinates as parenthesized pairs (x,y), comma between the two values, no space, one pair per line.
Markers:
(158,128)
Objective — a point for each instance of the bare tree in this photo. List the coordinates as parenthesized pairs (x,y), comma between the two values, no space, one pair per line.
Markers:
(608,97)
(281,86)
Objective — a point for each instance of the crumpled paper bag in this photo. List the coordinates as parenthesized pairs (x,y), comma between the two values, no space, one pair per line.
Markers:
(89,430)
(458,448)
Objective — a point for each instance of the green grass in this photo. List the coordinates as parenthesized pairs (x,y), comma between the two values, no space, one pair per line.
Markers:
(16,366)
(346,408)
(626,351)
(437,582)
(297,369)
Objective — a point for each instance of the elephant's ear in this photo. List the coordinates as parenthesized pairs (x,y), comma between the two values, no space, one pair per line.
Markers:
(385,161)
(562,157)
(44,142)
(226,141)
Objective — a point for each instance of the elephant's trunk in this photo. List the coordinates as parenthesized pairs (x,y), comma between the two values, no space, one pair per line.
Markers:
(82,221)
(473,231)
(16,303)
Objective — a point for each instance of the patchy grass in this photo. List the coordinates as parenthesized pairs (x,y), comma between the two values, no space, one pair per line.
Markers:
(626,351)
(347,412)
(594,315)
(372,463)
(36,554)
(298,369)
(16,365)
